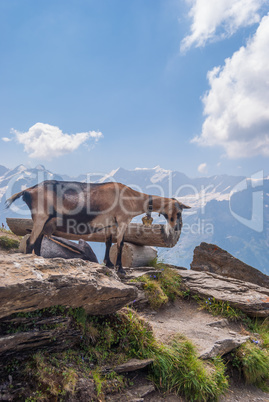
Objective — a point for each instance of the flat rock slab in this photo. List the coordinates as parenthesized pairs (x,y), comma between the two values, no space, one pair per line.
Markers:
(28,283)
(248,297)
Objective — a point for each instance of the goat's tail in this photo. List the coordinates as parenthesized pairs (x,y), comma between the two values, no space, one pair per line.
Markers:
(14,197)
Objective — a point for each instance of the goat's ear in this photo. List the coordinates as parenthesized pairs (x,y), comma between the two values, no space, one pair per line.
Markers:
(183,206)
(180,205)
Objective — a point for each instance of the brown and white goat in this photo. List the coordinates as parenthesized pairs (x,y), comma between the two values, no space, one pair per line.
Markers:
(85,208)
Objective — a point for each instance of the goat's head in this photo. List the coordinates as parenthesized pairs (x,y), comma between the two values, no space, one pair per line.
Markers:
(172,211)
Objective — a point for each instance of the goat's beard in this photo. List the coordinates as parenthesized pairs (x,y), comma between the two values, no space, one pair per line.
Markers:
(168,229)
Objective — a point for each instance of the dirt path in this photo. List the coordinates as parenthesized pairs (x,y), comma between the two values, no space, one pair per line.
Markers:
(184,316)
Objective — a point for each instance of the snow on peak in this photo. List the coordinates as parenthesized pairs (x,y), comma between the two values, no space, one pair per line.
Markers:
(40,167)
(21,168)
(160,174)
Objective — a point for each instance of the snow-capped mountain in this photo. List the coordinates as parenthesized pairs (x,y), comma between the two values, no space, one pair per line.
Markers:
(3,170)
(230,211)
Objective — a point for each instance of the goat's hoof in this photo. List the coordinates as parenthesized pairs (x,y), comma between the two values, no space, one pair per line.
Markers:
(109,265)
(121,272)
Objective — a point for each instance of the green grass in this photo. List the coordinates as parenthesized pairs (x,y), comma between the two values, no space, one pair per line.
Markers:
(261,326)
(220,307)
(53,381)
(112,340)
(252,358)
(162,286)
(253,361)
(4,230)
(6,243)
(177,369)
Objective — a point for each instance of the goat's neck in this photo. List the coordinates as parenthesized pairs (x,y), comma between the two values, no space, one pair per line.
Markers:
(159,203)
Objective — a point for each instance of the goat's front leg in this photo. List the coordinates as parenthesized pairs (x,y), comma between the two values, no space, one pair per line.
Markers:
(120,242)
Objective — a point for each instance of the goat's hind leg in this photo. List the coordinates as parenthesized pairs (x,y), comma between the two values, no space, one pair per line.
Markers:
(34,241)
(107,260)
(48,229)
(120,242)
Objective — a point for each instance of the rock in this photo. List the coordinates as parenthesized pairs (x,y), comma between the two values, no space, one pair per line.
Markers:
(56,247)
(144,390)
(61,334)
(219,324)
(23,243)
(133,255)
(223,346)
(28,283)
(248,297)
(132,394)
(211,258)
(84,392)
(131,365)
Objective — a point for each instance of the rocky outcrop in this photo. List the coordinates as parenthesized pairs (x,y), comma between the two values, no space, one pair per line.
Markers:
(53,334)
(28,283)
(211,258)
(248,297)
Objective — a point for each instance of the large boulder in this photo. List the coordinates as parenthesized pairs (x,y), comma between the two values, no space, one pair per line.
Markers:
(211,258)
(248,297)
(28,283)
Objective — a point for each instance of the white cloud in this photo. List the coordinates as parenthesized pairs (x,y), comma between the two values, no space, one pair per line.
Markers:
(202,168)
(43,141)
(5,139)
(237,105)
(217,19)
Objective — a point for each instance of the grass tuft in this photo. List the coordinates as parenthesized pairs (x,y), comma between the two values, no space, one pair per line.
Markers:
(253,361)
(178,369)
(4,230)
(7,244)
(52,380)
(220,307)
(161,287)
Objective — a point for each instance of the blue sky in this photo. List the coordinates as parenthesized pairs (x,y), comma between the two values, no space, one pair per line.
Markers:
(91,85)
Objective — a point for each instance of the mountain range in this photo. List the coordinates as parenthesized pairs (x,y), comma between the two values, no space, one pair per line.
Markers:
(229,211)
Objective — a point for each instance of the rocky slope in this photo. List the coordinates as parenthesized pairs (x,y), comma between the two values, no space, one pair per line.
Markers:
(29,284)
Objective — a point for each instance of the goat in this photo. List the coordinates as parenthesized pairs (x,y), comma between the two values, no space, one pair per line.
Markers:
(85,208)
